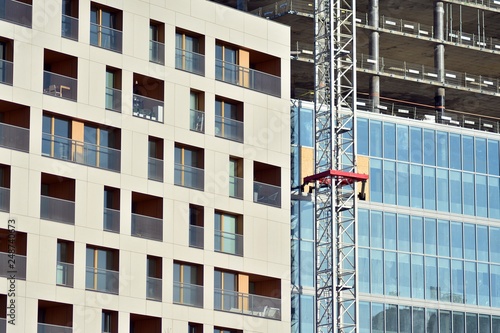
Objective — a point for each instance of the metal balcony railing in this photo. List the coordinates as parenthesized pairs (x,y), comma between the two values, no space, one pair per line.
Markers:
(113,99)
(47,328)
(13,263)
(248,78)
(58,210)
(14,137)
(228,128)
(267,194)
(189,176)
(283,7)
(6,72)
(228,242)
(154,288)
(148,108)
(197,121)
(156,52)
(3,325)
(69,27)
(64,274)
(196,236)
(105,37)
(100,279)
(4,199)
(249,304)
(111,220)
(16,12)
(147,227)
(81,152)
(155,169)
(493,4)
(59,85)
(188,294)
(236,187)
(190,61)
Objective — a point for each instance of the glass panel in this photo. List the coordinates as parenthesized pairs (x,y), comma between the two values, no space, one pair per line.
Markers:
(493,158)
(390,272)
(417,276)
(376,229)
(307,277)
(403,184)
(389,182)
(471,323)
(429,188)
(378,318)
(456,192)
(404,274)
(376,180)
(458,322)
(364,318)
(495,324)
(484,324)
(389,231)
(456,240)
(377,272)
(375,138)
(416,186)
(391,318)
(363,228)
(306,312)
(468,153)
(442,149)
(429,147)
(470,283)
(482,242)
(442,190)
(444,238)
(364,270)
(494,197)
(468,191)
(417,234)
(419,325)
(470,241)
(362,136)
(416,145)
(403,233)
(402,142)
(444,280)
(404,319)
(495,244)
(431,278)
(445,322)
(495,285)
(456,157)
(389,141)
(481,196)
(431,321)
(481,155)
(430,236)
(457,279)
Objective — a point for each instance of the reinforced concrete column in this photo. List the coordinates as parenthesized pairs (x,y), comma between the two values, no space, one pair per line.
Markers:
(373,20)
(439,97)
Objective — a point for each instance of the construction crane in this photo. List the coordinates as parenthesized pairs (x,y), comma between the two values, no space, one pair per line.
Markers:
(334,181)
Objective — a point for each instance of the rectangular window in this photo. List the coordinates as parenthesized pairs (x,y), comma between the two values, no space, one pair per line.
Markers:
(188,284)
(197,108)
(189,52)
(189,167)
(109,321)
(228,233)
(113,100)
(229,119)
(196,226)
(155,159)
(65,260)
(106,27)
(102,270)
(69,22)
(111,219)
(154,278)
(236,177)
(157,42)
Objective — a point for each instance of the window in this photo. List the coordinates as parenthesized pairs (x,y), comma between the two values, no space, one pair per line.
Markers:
(147,216)
(141,323)
(105,27)
(228,233)
(111,209)
(267,184)
(147,98)
(154,280)
(56,137)
(54,316)
(195,328)
(236,177)
(65,260)
(57,199)
(189,166)
(188,284)
(18,12)
(156,42)
(60,76)
(226,64)
(226,330)
(102,269)
(14,126)
(8,249)
(226,290)
(109,321)
(4,188)
(69,23)
(189,52)
(113,89)
(197,108)
(229,119)
(196,229)
(155,159)
(6,58)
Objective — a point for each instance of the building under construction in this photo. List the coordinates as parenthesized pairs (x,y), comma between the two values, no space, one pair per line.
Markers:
(419,82)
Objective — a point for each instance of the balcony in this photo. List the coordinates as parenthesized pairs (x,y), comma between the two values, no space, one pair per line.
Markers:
(155,169)
(157,52)
(147,108)
(47,328)
(248,78)
(16,12)
(107,38)
(236,187)
(59,86)
(58,210)
(81,152)
(153,289)
(113,99)
(100,279)
(13,263)
(196,236)
(228,128)
(188,294)
(69,27)
(189,176)
(6,72)
(267,194)
(190,62)
(14,137)
(4,199)
(64,274)
(248,304)
(147,227)
(228,242)
(111,220)
(3,325)
(197,121)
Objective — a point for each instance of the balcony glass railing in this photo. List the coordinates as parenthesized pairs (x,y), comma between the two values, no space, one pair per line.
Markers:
(6,72)
(155,169)
(188,294)
(267,194)
(107,38)
(113,99)
(236,187)
(81,152)
(59,85)
(156,52)
(47,328)
(249,304)
(64,274)
(189,176)
(196,236)
(148,108)
(14,137)
(228,242)
(153,289)
(147,227)
(58,210)
(228,128)
(197,121)
(69,27)
(3,325)
(248,78)
(190,61)
(16,12)
(13,263)
(4,199)
(111,220)
(100,279)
